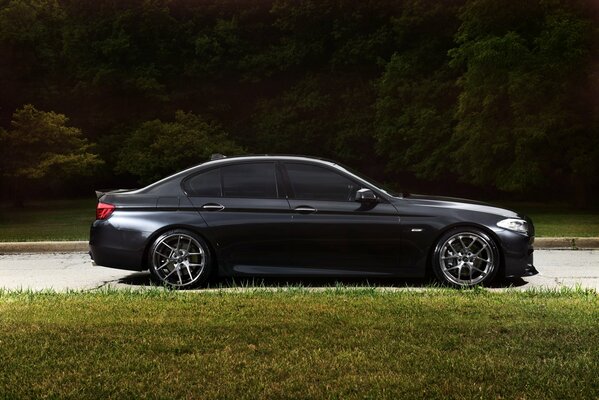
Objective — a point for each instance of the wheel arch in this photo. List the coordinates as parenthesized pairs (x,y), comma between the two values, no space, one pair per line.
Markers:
(150,241)
(457,225)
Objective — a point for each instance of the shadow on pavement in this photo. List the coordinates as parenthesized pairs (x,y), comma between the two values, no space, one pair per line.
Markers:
(138,279)
(145,279)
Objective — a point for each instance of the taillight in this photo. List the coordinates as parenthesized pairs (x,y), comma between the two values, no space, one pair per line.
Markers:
(104,210)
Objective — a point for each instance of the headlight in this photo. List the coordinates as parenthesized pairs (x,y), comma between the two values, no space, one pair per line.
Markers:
(514,224)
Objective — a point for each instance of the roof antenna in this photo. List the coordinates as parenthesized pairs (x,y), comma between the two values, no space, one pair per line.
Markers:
(217,156)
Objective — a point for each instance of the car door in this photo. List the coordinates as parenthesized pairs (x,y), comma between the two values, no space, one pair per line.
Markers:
(333,233)
(247,213)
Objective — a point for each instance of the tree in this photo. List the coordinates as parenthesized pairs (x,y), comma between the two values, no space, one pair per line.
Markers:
(156,149)
(320,116)
(41,147)
(417,92)
(522,121)
(501,94)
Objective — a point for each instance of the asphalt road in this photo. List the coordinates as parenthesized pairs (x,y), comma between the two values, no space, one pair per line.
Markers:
(63,271)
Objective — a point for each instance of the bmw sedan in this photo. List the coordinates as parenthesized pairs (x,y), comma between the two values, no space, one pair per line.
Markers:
(290,216)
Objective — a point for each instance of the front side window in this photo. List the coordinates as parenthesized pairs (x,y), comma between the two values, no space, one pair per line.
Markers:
(311,182)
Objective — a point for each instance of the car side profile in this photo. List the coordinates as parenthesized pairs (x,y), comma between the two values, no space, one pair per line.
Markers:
(283,216)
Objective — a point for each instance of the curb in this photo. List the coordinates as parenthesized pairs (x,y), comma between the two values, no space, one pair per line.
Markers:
(555,243)
(567,243)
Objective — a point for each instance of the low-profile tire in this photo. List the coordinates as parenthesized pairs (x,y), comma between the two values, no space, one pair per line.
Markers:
(465,257)
(180,259)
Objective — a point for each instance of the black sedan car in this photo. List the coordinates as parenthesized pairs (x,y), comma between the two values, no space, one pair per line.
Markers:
(283,216)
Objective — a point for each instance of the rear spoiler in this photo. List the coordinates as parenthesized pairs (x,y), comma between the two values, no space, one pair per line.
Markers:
(102,192)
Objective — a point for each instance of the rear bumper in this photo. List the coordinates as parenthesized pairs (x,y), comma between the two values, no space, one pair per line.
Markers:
(116,248)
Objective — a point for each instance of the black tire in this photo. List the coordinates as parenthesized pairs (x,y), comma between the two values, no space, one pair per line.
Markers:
(180,259)
(466,257)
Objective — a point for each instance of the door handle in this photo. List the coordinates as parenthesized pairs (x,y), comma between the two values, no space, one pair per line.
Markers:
(212,207)
(305,209)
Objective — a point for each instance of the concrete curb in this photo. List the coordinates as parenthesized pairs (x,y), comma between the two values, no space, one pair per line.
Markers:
(83,246)
(567,243)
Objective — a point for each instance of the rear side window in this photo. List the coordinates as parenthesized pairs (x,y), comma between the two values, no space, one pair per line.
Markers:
(256,180)
(310,182)
(206,184)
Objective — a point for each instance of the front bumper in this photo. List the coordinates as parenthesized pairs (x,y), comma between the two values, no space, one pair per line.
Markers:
(518,252)
(530,270)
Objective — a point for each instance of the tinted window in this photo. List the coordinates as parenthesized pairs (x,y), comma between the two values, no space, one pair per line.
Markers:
(250,180)
(206,184)
(316,183)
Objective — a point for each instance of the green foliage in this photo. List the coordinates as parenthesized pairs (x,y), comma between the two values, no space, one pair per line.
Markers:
(520,124)
(156,149)
(31,29)
(123,48)
(317,116)
(498,94)
(294,122)
(417,92)
(502,109)
(40,145)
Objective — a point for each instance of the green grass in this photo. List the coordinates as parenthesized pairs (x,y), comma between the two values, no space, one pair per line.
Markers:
(71,219)
(340,343)
(51,220)
(555,220)
(566,225)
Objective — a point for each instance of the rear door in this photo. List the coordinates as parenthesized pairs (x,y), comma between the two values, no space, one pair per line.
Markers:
(334,234)
(247,213)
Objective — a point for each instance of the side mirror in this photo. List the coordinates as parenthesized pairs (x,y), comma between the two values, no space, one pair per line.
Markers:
(366,196)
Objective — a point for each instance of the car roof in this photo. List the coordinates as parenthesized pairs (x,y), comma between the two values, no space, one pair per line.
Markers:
(254,157)
(232,160)
(258,157)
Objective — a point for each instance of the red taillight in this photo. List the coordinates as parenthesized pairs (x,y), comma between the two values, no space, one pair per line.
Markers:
(104,210)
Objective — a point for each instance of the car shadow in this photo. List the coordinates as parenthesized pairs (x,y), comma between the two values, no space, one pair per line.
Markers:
(145,279)
(138,279)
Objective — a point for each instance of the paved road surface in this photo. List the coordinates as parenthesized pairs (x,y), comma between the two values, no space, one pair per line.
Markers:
(62,271)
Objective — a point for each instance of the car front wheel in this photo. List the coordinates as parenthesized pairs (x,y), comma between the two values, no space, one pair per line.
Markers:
(180,259)
(466,257)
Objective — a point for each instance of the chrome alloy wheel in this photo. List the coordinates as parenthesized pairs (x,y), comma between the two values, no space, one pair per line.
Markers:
(178,259)
(466,259)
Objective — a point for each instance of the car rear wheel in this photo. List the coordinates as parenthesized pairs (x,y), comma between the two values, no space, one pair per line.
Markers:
(180,259)
(466,257)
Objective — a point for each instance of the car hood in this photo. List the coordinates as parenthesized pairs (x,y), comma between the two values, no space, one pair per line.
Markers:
(459,204)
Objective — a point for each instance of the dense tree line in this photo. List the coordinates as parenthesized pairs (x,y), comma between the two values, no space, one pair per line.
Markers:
(498,95)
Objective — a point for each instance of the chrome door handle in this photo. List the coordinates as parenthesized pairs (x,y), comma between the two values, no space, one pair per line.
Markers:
(212,207)
(305,209)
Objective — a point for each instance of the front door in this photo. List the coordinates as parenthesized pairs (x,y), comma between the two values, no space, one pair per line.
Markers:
(332,233)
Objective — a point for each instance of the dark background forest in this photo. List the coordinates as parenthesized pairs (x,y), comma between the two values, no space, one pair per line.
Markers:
(484,98)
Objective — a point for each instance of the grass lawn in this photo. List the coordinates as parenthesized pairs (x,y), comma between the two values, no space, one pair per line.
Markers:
(561,224)
(340,343)
(51,220)
(560,220)
(71,219)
